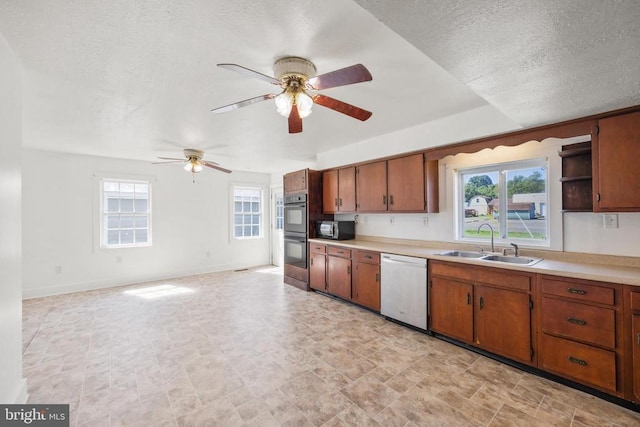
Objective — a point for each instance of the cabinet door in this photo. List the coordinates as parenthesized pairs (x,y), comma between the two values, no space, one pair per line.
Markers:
(371,187)
(635,342)
(347,189)
(295,181)
(366,285)
(317,271)
(330,191)
(616,155)
(503,322)
(406,183)
(339,276)
(451,308)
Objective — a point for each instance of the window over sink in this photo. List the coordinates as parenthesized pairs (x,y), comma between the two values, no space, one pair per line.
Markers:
(511,197)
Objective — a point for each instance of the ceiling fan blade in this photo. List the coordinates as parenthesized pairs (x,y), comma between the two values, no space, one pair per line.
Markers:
(295,122)
(171,158)
(209,161)
(244,103)
(171,161)
(345,76)
(342,107)
(250,73)
(212,166)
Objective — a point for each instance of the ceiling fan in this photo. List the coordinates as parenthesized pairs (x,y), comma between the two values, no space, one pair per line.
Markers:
(296,76)
(193,162)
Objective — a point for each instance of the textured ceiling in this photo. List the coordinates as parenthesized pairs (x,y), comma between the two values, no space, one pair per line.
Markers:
(537,62)
(137,79)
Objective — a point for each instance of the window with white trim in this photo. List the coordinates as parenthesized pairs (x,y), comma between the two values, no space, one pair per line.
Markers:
(247,212)
(126,213)
(511,197)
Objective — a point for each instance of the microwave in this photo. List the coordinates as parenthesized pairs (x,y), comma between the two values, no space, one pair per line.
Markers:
(336,230)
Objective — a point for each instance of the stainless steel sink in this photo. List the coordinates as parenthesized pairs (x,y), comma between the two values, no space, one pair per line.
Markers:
(463,254)
(511,259)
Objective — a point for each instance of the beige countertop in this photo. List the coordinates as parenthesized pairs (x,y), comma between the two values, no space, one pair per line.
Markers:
(623,270)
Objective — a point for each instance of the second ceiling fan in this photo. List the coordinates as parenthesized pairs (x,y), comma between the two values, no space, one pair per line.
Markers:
(297,77)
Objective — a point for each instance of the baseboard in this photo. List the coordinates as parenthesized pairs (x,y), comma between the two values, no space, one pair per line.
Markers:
(19,395)
(113,283)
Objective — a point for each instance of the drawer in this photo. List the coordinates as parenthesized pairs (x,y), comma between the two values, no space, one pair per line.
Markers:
(635,301)
(583,363)
(339,251)
(587,323)
(318,248)
(482,275)
(577,290)
(367,256)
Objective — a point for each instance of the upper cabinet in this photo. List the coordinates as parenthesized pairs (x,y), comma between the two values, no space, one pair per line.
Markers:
(371,187)
(616,150)
(295,182)
(339,190)
(406,184)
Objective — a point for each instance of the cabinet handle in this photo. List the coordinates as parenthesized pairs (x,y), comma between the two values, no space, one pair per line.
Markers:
(384,199)
(468,299)
(577,361)
(391,199)
(311,261)
(576,291)
(336,202)
(378,279)
(576,321)
(481,302)
(639,339)
(340,252)
(340,199)
(348,270)
(367,257)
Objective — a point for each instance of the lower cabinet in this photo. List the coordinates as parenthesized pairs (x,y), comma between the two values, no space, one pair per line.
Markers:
(485,307)
(317,266)
(580,332)
(365,286)
(633,294)
(339,275)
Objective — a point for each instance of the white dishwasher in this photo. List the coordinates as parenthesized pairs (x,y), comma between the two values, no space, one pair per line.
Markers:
(403,289)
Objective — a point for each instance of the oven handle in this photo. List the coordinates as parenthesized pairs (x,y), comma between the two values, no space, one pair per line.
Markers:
(295,239)
(295,205)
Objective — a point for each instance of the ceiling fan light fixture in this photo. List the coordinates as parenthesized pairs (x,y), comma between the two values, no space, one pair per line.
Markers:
(304,103)
(286,99)
(193,166)
(284,102)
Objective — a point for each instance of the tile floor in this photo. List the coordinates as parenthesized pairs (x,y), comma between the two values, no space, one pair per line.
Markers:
(242,348)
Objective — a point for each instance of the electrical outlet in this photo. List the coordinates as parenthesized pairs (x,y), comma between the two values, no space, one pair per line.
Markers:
(392,219)
(610,220)
(366,219)
(58,269)
(425,221)
(118,260)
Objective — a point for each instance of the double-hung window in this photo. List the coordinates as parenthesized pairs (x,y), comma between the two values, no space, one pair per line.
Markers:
(247,212)
(126,213)
(511,197)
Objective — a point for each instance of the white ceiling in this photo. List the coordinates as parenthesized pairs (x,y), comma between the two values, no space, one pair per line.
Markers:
(137,79)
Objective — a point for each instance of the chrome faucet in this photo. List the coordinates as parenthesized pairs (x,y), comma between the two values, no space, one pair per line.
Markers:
(515,249)
(490,228)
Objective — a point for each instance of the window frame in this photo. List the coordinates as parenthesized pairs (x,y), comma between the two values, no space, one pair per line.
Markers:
(501,169)
(103,213)
(261,211)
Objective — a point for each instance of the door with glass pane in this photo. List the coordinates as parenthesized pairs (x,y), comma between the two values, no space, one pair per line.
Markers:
(277,225)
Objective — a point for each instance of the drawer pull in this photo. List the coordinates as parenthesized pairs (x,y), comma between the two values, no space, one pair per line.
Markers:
(468,298)
(340,252)
(367,257)
(576,321)
(377,277)
(576,291)
(638,339)
(576,361)
(481,303)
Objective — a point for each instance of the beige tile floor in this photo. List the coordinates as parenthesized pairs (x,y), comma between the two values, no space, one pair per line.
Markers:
(242,348)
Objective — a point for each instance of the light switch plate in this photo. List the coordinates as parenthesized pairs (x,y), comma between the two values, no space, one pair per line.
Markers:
(610,220)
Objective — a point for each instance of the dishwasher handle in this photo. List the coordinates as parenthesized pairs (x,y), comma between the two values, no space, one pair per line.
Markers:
(389,260)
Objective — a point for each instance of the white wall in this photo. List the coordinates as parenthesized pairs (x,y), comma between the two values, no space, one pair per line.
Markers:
(13,388)
(190,224)
(571,232)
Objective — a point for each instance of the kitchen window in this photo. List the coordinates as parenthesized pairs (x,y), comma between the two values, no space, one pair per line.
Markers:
(247,212)
(511,197)
(126,213)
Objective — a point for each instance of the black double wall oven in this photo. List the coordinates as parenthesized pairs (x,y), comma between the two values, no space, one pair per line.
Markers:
(295,230)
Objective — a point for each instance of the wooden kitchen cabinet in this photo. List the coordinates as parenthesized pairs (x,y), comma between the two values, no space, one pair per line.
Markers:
(318,266)
(366,279)
(371,187)
(295,182)
(339,190)
(616,150)
(580,332)
(406,184)
(451,308)
(483,306)
(633,363)
(339,271)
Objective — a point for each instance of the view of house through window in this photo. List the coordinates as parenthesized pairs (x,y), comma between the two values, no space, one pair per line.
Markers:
(279,214)
(126,214)
(247,212)
(511,197)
